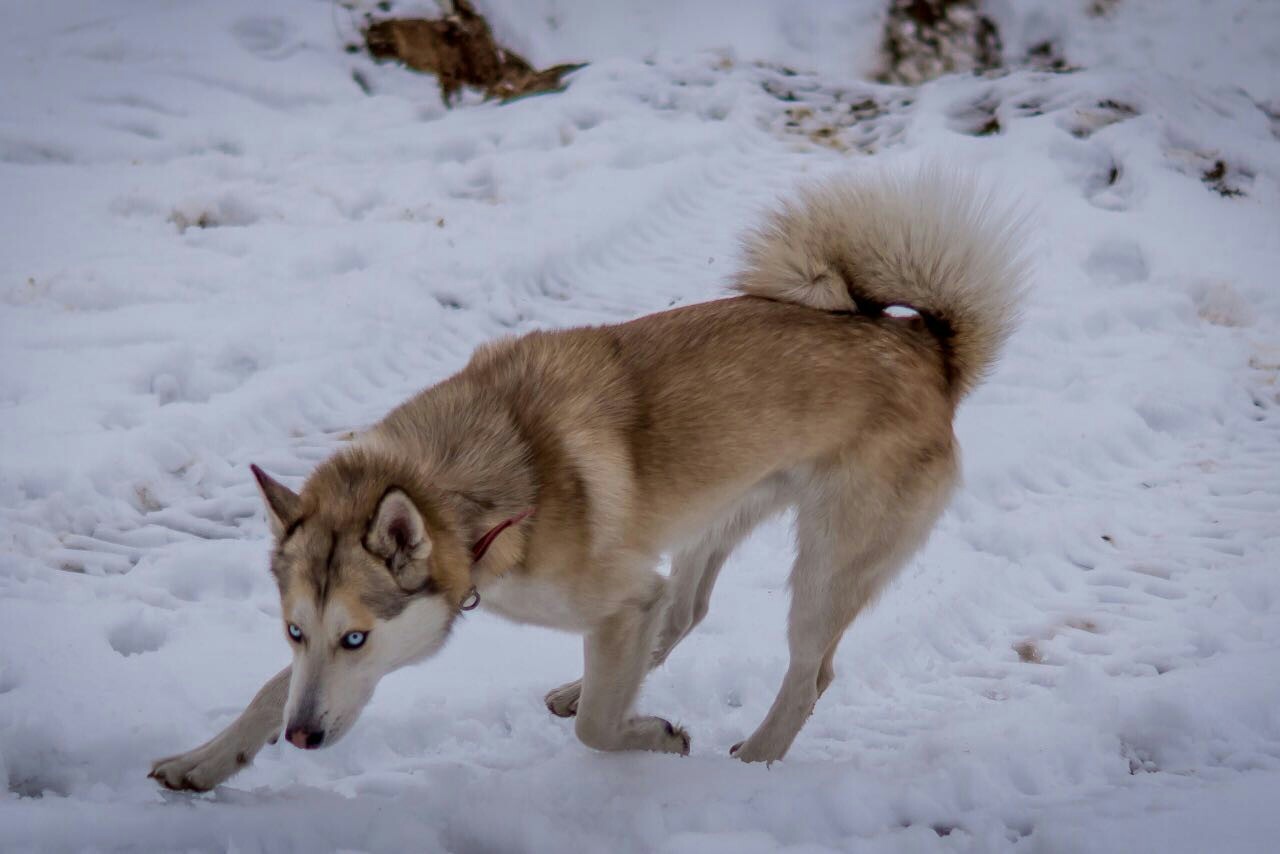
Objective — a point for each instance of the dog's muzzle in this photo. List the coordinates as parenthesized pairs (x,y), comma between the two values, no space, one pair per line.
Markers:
(304,739)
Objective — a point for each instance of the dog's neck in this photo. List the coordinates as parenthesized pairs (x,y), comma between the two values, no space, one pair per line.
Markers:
(496,535)
(483,478)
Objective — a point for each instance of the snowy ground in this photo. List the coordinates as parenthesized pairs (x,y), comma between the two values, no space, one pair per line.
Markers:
(216,249)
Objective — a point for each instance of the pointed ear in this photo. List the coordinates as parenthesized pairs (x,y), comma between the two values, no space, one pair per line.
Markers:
(282,502)
(398,535)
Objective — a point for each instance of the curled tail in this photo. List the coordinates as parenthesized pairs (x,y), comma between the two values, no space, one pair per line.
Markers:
(927,243)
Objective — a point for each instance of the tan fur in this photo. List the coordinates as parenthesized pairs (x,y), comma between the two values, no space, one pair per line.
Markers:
(674,433)
(932,243)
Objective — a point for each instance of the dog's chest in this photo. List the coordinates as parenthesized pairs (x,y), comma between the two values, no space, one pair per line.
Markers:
(527,601)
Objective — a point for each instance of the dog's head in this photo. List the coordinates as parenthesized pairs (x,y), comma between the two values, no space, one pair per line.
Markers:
(372,573)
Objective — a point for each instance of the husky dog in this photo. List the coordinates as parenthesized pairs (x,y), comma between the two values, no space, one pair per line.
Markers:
(547,479)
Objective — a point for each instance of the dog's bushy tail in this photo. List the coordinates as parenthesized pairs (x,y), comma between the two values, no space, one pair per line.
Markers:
(929,243)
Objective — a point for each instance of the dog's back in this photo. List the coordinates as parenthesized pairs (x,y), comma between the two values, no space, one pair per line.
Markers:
(870,309)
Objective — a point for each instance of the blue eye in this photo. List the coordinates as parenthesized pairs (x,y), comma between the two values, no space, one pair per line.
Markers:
(295,632)
(353,640)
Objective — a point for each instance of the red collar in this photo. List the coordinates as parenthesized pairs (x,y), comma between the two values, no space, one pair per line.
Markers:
(482,544)
(472,599)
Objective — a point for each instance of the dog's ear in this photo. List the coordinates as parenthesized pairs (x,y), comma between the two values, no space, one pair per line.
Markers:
(282,502)
(398,535)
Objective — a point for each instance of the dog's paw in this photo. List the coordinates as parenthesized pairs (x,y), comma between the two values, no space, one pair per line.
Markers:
(563,701)
(198,770)
(744,751)
(663,736)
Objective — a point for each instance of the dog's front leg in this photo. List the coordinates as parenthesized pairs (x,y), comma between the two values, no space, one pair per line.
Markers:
(693,575)
(227,752)
(617,656)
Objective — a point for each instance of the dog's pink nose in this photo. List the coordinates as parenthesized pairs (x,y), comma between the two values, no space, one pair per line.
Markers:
(303,739)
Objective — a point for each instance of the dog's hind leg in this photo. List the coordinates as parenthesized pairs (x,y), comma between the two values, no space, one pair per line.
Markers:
(819,616)
(694,571)
(617,655)
(850,544)
(232,749)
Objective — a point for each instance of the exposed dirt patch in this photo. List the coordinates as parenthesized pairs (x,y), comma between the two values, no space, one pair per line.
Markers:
(863,118)
(146,499)
(202,220)
(924,39)
(222,213)
(1028,652)
(1101,8)
(978,118)
(1224,177)
(1047,56)
(1083,624)
(1086,121)
(459,49)
(1223,180)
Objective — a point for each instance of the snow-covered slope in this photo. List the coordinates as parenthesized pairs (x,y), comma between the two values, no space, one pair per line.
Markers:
(215,248)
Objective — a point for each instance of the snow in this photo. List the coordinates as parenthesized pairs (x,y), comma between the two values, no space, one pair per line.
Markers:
(218,249)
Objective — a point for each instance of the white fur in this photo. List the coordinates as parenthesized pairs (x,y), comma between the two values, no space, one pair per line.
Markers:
(537,603)
(331,685)
(349,679)
(226,753)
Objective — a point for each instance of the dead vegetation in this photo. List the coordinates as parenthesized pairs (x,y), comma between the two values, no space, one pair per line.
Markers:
(459,49)
(924,39)
(1101,8)
(1028,652)
(1047,56)
(839,116)
(1086,120)
(1224,180)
